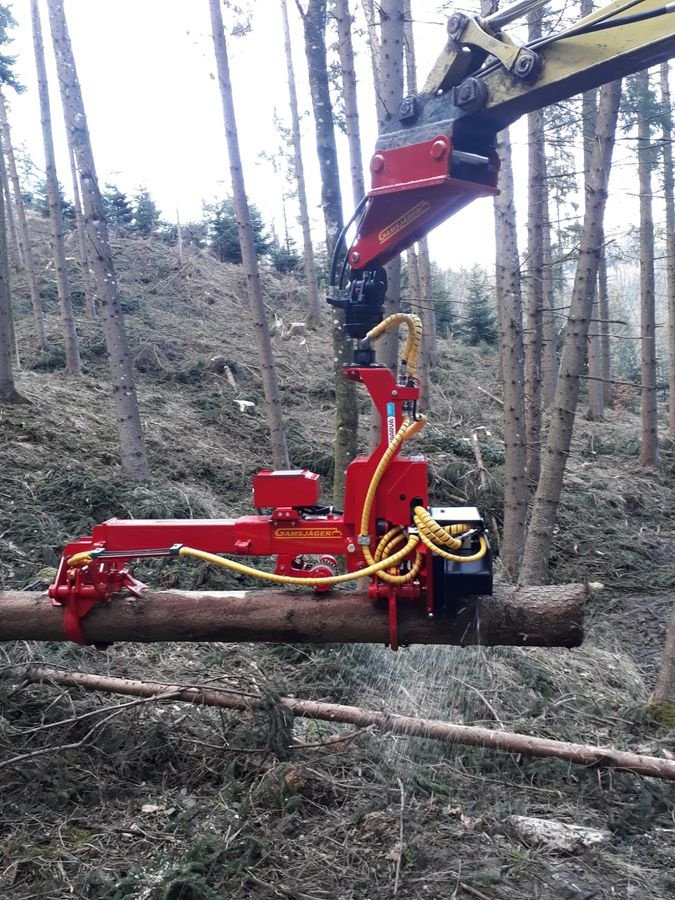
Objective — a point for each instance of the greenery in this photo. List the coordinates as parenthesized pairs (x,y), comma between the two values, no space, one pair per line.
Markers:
(478,324)
(223,235)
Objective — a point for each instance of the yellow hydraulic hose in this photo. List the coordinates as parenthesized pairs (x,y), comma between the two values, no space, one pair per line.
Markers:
(437,533)
(479,554)
(412,344)
(373,569)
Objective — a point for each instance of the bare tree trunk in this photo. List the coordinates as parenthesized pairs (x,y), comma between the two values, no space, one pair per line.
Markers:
(533,338)
(669,197)
(24,237)
(248,254)
(391,94)
(12,233)
(8,391)
(307,248)
(374,47)
(452,733)
(603,312)
(87,278)
(534,568)
(531,617)
(73,364)
(549,358)
(348,73)
(664,692)
(649,447)
(179,239)
(346,411)
(132,449)
(507,285)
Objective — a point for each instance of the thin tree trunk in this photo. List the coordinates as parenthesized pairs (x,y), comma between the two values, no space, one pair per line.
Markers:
(8,391)
(132,449)
(531,617)
(391,94)
(73,364)
(374,47)
(307,248)
(649,447)
(533,337)
(87,278)
(669,198)
(346,411)
(507,285)
(534,568)
(12,232)
(605,344)
(248,253)
(24,237)
(432,729)
(348,73)
(179,239)
(549,358)
(664,693)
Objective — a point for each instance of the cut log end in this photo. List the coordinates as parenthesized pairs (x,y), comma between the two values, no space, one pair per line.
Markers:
(550,616)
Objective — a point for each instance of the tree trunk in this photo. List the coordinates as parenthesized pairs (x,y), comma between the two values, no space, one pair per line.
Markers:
(346,408)
(24,237)
(391,94)
(549,357)
(132,449)
(348,73)
(73,364)
(12,232)
(87,280)
(248,253)
(669,198)
(534,569)
(663,703)
(8,391)
(408,726)
(649,447)
(307,248)
(603,312)
(533,337)
(507,286)
(523,617)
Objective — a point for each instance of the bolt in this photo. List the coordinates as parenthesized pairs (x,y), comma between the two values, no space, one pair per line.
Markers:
(526,66)
(438,149)
(394,393)
(355,257)
(456,24)
(377,163)
(471,95)
(408,109)
(351,548)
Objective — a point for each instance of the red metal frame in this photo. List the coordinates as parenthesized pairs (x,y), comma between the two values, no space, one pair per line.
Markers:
(293,534)
(413,190)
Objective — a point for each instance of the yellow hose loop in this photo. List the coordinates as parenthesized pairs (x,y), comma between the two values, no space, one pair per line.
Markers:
(407,576)
(387,456)
(479,554)
(393,560)
(413,342)
(416,426)
(436,533)
(393,537)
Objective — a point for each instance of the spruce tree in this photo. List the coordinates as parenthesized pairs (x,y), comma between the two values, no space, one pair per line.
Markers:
(479,325)
(145,218)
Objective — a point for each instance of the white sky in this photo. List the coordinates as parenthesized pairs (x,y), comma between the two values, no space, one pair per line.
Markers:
(147,71)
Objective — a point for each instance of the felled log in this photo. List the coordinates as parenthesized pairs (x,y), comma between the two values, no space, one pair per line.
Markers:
(581,754)
(549,616)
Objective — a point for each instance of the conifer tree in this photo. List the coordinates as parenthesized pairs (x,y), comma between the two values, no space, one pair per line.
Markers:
(479,325)
(145,215)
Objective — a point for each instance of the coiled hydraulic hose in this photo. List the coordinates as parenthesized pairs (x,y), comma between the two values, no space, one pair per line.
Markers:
(432,535)
(412,344)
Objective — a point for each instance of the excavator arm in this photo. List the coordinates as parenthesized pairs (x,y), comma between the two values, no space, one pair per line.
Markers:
(439,154)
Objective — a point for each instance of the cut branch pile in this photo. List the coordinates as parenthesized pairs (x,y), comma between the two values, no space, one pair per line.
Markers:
(580,754)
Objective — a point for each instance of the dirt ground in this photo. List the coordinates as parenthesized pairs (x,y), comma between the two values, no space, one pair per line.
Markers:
(107,799)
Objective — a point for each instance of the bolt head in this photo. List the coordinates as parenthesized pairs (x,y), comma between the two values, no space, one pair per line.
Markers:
(354,258)
(377,163)
(438,149)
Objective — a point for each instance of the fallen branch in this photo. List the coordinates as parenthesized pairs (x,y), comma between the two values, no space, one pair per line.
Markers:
(550,616)
(581,754)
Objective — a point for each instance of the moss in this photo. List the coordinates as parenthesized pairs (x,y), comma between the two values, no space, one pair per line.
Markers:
(662,711)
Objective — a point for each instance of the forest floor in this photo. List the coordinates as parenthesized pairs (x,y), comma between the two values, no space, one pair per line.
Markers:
(108,800)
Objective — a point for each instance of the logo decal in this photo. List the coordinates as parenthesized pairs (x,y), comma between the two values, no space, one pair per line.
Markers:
(391,422)
(403,221)
(305,533)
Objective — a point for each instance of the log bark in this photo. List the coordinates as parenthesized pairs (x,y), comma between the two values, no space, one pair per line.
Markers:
(581,754)
(526,617)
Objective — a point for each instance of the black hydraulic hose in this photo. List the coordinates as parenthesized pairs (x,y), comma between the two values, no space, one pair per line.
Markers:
(340,242)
